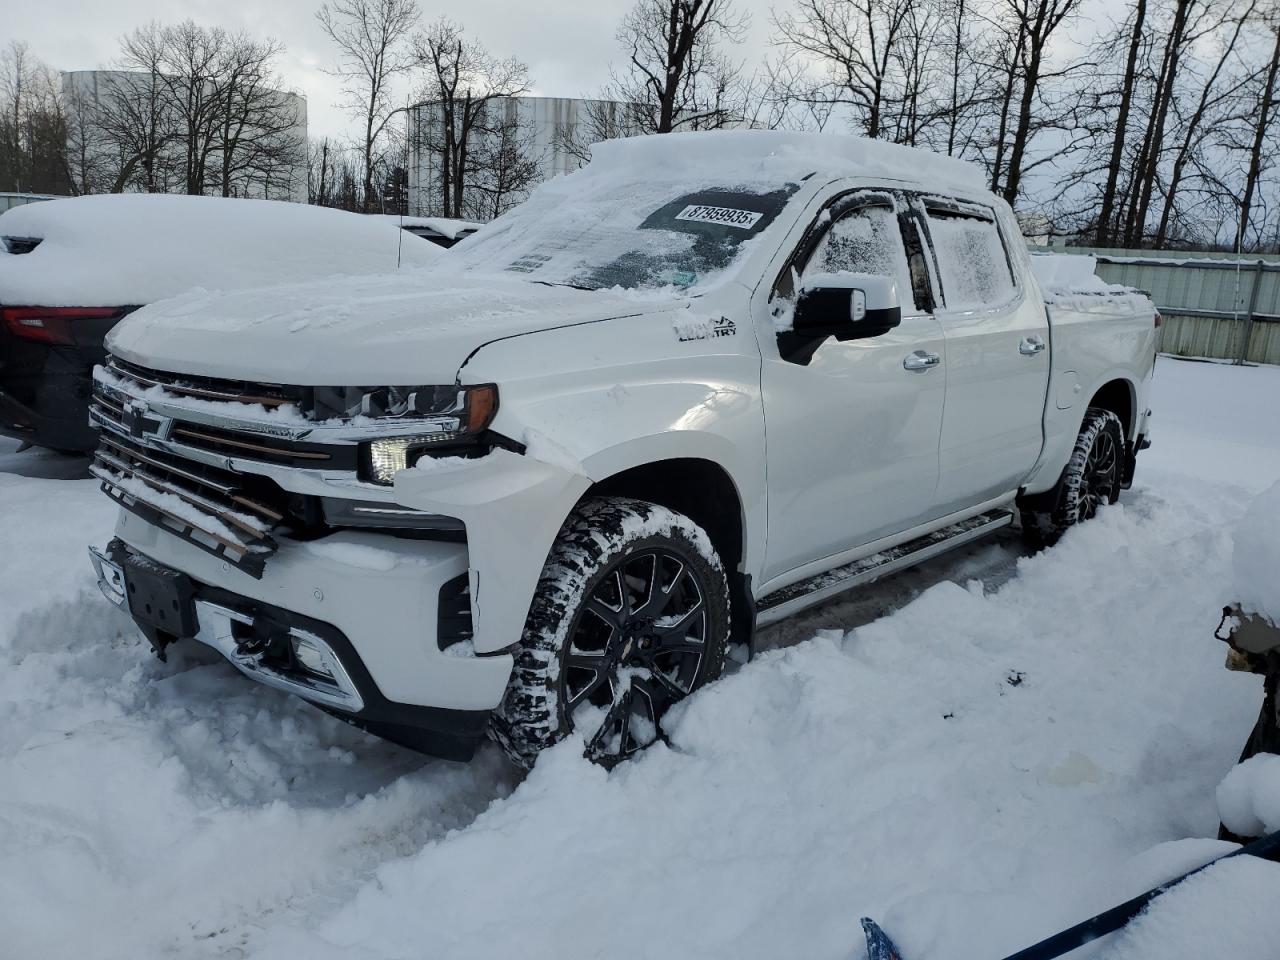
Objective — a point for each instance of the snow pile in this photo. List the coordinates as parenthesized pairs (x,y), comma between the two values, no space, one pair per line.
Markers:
(976,767)
(1249,797)
(1068,281)
(1256,559)
(131,249)
(1229,912)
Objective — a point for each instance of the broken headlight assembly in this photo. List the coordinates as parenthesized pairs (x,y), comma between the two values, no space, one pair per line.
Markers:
(452,420)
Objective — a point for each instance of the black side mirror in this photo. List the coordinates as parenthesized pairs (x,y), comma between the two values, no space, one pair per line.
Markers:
(847,306)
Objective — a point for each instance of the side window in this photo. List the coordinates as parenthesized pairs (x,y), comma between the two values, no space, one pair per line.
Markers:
(972,261)
(866,239)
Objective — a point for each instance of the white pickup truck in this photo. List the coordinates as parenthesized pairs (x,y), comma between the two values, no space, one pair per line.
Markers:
(551,483)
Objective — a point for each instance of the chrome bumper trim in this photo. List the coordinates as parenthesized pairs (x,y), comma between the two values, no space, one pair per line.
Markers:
(110,576)
(216,631)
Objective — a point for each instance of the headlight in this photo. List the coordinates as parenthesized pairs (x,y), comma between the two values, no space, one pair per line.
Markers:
(443,433)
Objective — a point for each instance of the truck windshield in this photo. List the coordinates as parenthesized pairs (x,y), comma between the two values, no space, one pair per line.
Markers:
(637,236)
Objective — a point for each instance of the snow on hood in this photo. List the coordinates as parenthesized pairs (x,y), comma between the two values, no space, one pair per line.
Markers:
(417,326)
(130,249)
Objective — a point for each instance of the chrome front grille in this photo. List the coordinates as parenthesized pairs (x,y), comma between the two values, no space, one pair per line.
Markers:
(205,505)
(231,465)
(270,395)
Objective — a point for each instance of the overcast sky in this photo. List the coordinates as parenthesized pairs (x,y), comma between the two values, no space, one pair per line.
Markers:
(568,44)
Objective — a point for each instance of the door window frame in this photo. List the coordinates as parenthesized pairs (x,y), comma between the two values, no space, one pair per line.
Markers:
(921,203)
(844,203)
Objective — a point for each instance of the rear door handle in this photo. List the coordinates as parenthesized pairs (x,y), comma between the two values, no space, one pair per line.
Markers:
(920,360)
(1030,346)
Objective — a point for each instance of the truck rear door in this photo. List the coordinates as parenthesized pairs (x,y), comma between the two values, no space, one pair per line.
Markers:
(997,358)
(851,431)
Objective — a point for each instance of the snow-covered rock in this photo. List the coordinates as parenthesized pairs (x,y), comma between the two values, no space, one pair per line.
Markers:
(1249,797)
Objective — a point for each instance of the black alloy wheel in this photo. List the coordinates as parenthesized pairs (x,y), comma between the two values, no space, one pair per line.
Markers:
(1101,475)
(637,648)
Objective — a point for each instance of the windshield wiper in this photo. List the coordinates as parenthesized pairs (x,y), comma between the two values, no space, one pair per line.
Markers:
(560,283)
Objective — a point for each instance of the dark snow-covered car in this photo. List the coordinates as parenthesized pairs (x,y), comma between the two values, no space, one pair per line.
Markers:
(70,269)
(442,231)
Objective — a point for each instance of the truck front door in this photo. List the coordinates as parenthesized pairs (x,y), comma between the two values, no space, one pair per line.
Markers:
(851,433)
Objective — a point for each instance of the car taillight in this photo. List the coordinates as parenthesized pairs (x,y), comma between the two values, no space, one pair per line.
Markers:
(49,324)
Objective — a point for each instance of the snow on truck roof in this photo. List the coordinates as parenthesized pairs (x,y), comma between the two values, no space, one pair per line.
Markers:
(776,154)
(129,249)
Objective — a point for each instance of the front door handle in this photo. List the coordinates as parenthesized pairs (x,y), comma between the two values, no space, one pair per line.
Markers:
(920,360)
(1030,346)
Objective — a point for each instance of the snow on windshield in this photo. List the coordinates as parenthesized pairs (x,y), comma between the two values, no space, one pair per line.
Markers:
(636,235)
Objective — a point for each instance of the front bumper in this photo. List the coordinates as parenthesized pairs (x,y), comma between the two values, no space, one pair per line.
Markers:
(370,603)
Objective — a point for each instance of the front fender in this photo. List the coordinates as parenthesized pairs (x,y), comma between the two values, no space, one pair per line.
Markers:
(513,507)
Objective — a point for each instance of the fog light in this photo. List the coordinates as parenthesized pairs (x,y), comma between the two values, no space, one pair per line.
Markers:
(311,658)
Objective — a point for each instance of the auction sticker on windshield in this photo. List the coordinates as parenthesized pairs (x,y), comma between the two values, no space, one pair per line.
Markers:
(730,217)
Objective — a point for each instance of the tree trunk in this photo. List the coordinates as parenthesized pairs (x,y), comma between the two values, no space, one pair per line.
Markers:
(1023,131)
(955,79)
(1259,135)
(1006,99)
(1102,234)
(1181,16)
(1193,127)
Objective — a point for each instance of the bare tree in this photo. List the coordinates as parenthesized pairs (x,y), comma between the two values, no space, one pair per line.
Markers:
(677,75)
(257,136)
(1211,95)
(1128,81)
(505,165)
(371,36)
(462,81)
(1038,21)
(858,45)
(32,125)
(1266,100)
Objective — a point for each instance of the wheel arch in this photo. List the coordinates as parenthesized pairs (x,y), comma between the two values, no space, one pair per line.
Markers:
(1120,396)
(705,492)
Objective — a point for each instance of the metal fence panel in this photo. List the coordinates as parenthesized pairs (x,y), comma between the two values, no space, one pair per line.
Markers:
(1210,302)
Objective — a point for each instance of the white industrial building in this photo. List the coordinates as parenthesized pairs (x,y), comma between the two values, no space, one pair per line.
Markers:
(90,90)
(546,125)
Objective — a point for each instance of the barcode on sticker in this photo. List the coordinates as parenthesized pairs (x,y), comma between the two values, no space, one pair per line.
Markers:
(742,219)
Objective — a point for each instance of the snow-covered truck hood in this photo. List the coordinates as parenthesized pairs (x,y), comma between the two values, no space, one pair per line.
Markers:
(416,326)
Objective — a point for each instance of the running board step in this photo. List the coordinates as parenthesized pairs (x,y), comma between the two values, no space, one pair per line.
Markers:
(807,593)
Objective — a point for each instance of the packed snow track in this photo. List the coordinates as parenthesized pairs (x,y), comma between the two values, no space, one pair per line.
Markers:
(976,753)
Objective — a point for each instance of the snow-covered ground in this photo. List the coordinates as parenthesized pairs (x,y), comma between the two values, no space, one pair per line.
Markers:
(976,753)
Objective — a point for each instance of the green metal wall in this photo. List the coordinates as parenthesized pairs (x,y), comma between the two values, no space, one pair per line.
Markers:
(1205,299)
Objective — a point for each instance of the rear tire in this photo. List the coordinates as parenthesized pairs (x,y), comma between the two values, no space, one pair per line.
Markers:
(1092,477)
(631,615)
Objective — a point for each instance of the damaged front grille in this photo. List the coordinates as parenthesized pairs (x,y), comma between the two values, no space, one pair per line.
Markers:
(213,508)
(270,395)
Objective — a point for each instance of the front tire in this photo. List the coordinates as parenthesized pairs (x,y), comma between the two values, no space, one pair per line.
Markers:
(631,616)
(1092,477)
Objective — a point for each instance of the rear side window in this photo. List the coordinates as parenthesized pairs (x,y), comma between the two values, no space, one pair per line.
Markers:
(865,240)
(972,261)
